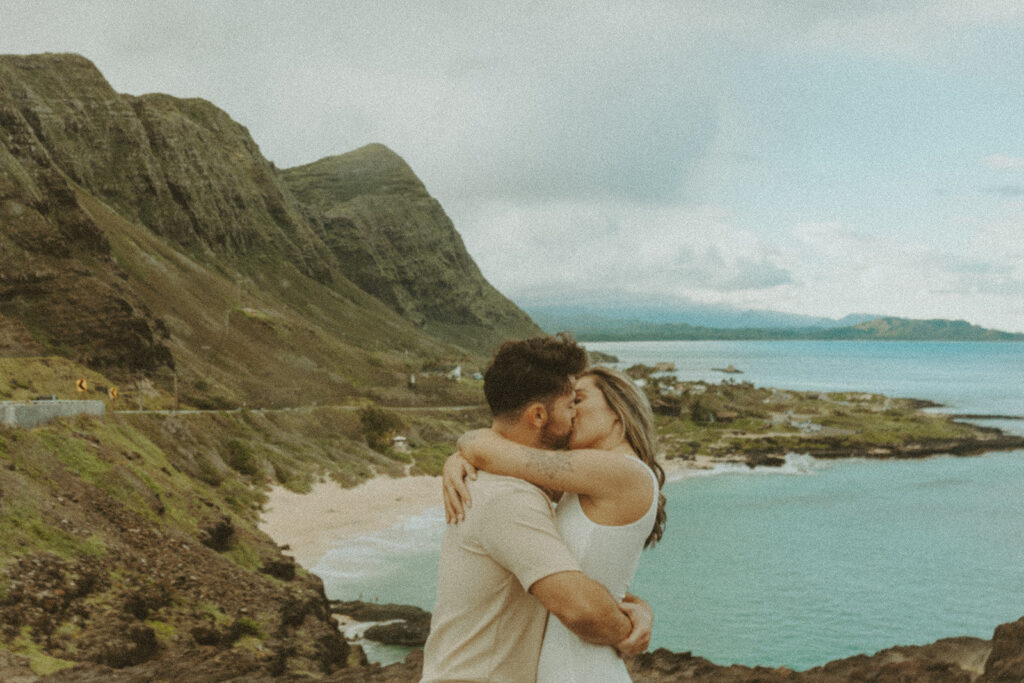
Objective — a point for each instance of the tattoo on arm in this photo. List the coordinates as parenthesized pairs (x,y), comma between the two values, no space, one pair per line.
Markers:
(548,463)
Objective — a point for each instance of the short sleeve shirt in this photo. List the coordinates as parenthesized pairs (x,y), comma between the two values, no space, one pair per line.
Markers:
(486,626)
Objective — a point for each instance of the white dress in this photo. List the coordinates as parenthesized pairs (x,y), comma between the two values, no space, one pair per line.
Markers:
(609,555)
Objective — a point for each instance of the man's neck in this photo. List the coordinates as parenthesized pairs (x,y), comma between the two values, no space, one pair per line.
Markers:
(518,432)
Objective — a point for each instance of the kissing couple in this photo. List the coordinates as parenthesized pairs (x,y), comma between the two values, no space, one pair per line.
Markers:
(527,591)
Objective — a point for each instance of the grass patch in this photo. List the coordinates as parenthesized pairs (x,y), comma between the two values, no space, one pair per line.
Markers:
(41,663)
(430,460)
(244,555)
(164,632)
(27,378)
(23,530)
(241,458)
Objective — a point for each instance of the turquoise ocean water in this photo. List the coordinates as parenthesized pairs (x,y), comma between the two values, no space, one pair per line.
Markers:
(816,560)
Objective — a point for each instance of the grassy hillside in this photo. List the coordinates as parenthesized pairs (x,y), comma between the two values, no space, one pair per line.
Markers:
(131,539)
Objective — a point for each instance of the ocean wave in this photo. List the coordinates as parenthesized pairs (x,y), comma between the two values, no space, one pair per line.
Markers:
(797,464)
(370,554)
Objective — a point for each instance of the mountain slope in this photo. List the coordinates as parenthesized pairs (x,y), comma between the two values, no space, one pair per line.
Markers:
(148,237)
(396,242)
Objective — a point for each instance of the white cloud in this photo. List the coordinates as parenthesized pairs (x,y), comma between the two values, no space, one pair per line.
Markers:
(840,271)
(923,31)
(692,252)
(1003,162)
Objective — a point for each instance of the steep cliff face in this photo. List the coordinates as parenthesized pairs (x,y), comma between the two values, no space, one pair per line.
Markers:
(396,242)
(182,168)
(150,234)
(59,287)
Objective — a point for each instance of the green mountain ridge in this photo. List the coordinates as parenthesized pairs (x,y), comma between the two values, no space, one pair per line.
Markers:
(395,241)
(148,237)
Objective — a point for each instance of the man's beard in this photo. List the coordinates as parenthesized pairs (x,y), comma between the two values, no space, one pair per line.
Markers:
(553,440)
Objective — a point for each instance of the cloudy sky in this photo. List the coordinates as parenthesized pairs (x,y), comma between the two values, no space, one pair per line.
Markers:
(810,157)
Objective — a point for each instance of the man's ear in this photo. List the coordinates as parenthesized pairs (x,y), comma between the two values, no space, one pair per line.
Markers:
(537,415)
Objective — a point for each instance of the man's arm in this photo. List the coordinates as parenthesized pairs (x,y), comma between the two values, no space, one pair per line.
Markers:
(584,606)
(518,531)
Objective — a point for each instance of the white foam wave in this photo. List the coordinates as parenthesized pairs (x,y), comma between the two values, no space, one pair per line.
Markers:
(369,554)
(356,630)
(797,464)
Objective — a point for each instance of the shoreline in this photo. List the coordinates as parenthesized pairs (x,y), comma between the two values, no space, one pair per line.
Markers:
(310,524)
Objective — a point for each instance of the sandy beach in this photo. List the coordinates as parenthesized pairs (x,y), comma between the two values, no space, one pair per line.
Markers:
(312,523)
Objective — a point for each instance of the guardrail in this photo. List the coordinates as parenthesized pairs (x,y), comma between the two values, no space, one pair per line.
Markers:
(28,414)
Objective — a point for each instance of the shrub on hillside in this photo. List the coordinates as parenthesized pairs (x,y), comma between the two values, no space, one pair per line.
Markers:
(241,457)
(379,426)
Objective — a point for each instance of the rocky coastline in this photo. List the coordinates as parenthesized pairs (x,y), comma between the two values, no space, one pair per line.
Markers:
(137,551)
(960,659)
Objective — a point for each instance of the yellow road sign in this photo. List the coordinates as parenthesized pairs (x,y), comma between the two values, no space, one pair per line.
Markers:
(81,384)
(112,393)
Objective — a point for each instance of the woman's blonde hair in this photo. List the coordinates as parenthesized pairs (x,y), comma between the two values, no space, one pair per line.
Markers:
(630,405)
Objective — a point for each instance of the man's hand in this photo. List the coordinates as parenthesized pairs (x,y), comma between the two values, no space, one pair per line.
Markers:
(456,494)
(641,616)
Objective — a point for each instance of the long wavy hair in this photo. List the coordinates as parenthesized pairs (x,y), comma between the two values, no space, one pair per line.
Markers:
(631,406)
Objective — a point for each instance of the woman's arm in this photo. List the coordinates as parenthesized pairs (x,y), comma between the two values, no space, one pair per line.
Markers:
(596,473)
(453,487)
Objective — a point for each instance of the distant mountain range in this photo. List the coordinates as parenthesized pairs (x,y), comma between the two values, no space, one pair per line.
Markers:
(588,307)
(619,323)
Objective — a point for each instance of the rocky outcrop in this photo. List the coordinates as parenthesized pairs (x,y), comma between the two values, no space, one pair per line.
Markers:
(116,562)
(952,660)
(403,625)
(1006,662)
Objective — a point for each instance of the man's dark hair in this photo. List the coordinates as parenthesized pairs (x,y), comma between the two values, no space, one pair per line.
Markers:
(527,370)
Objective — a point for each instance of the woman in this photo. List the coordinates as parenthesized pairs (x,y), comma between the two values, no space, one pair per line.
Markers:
(611,507)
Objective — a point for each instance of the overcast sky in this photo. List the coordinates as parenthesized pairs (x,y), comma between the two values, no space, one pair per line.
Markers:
(811,157)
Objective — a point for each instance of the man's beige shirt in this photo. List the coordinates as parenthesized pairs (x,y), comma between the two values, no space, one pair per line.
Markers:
(486,626)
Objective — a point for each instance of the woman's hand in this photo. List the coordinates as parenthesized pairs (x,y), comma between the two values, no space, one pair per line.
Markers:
(641,616)
(456,494)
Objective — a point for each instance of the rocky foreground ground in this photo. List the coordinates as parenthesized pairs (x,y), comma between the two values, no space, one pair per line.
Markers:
(950,660)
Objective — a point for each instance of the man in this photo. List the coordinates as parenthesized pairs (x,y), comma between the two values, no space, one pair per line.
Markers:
(505,567)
